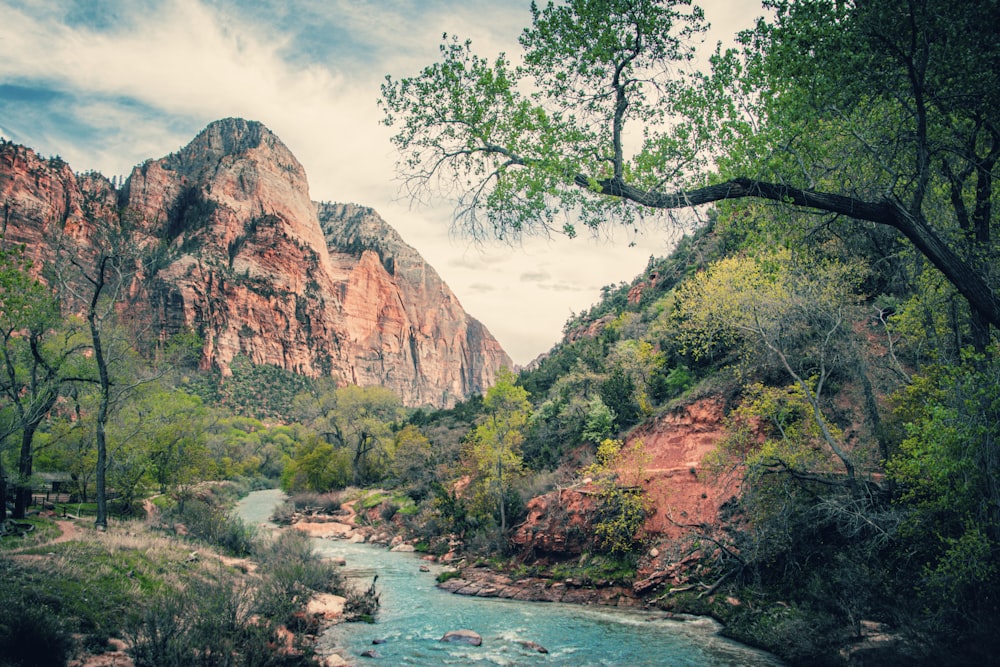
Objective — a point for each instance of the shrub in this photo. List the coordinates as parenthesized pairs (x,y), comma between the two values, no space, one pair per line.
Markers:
(387,510)
(32,636)
(325,503)
(291,573)
(283,513)
(213,622)
(211,524)
(448,575)
(362,605)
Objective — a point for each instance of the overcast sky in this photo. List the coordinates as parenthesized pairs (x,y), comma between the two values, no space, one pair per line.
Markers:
(107,84)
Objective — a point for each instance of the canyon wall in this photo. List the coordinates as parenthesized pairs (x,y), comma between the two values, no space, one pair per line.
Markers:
(233,248)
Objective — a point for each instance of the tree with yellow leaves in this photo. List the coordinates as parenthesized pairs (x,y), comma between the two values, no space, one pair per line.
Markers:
(492,451)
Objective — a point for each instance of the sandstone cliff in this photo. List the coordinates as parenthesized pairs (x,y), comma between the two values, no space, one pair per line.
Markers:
(236,252)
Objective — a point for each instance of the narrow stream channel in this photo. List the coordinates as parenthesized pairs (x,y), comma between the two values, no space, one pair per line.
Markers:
(415,614)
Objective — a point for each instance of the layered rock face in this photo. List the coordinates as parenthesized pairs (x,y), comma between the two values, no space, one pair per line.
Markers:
(242,259)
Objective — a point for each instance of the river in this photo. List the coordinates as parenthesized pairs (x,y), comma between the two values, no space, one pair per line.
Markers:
(415,614)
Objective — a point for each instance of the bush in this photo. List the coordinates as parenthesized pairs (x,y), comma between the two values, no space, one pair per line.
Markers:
(211,524)
(362,605)
(283,513)
(32,636)
(213,622)
(292,572)
(387,510)
(448,575)
(324,503)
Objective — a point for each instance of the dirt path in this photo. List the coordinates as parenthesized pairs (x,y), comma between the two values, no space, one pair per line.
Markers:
(68,531)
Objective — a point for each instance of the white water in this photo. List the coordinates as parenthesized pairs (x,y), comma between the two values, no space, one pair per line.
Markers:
(415,614)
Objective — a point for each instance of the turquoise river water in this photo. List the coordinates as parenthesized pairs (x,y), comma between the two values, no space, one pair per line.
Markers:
(415,614)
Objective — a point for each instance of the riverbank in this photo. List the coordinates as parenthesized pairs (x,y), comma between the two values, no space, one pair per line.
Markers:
(588,609)
(476,580)
(487,583)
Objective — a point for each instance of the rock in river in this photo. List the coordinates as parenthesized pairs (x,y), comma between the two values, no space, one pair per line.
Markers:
(462,637)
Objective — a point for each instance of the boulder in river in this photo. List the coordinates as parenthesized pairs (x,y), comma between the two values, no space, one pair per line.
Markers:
(462,637)
(533,646)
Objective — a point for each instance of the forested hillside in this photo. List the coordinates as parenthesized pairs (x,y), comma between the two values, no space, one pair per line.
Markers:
(841,305)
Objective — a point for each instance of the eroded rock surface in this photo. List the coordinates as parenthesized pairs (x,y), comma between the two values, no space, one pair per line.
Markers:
(238,252)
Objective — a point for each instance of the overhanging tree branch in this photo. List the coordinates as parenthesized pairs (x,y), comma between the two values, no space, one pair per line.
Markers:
(959,273)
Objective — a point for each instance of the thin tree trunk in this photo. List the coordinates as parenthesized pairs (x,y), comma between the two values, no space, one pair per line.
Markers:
(101,521)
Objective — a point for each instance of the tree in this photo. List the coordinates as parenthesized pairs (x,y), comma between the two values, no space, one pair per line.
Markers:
(618,393)
(164,432)
(94,275)
(35,359)
(411,459)
(493,449)
(948,471)
(623,504)
(355,419)
(873,111)
(316,466)
(361,423)
(600,421)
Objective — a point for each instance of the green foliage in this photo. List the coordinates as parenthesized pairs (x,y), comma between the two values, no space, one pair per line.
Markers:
(448,575)
(412,455)
(492,451)
(293,573)
(452,509)
(183,350)
(623,507)
(209,522)
(618,392)
(526,158)
(773,429)
(600,421)
(31,635)
(261,391)
(357,425)
(362,422)
(947,471)
(667,384)
(316,466)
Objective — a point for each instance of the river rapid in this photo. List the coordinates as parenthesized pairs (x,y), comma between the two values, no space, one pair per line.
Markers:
(415,615)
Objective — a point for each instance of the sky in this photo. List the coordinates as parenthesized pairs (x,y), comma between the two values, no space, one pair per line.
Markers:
(107,84)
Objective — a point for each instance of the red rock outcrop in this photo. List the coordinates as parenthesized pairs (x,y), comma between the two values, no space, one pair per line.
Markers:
(243,260)
(675,445)
(559,524)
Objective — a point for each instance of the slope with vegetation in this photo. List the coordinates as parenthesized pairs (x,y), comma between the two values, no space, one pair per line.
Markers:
(845,312)
(192,587)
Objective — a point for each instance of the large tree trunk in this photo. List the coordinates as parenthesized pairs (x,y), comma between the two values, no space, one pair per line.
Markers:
(3,493)
(22,487)
(25,466)
(101,521)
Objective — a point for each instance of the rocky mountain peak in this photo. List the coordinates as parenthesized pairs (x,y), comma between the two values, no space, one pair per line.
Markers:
(260,270)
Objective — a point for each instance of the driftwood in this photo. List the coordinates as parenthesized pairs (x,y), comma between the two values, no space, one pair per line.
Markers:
(11,528)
